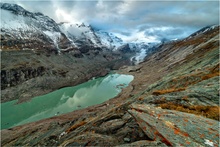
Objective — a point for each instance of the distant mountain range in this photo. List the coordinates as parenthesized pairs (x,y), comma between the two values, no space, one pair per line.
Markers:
(24,30)
(20,24)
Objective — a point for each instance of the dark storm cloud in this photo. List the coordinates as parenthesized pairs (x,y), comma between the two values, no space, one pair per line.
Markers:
(125,17)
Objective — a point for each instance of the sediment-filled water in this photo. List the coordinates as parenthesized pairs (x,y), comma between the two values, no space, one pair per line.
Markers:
(63,100)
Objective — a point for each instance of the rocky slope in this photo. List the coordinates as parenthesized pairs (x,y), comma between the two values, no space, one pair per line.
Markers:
(181,76)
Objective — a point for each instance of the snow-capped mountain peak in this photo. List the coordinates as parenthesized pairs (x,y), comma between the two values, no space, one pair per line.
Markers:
(98,38)
(16,9)
(33,30)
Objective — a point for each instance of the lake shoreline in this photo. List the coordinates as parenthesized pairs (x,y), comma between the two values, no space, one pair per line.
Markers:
(64,100)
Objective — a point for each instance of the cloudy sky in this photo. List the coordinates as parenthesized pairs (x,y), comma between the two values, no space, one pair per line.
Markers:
(132,20)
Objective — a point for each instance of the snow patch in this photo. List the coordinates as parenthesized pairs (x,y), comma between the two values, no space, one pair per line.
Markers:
(109,40)
(208,142)
(54,36)
(72,29)
(12,21)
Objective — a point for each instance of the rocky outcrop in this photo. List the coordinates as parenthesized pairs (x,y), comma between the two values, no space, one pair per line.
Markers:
(13,77)
(35,41)
(175,128)
(124,48)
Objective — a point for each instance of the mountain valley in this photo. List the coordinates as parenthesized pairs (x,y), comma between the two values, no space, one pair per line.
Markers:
(39,55)
(173,99)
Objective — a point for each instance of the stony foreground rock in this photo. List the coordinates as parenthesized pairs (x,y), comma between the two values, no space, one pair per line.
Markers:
(176,128)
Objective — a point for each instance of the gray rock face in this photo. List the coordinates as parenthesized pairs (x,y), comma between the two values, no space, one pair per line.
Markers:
(124,48)
(175,128)
(14,77)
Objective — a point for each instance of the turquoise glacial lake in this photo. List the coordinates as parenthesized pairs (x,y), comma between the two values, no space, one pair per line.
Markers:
(63,100)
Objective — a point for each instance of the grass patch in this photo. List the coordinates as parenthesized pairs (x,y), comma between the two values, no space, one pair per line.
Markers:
(75,126)
(164,91)
(208,76)
(182,82)
(211,112)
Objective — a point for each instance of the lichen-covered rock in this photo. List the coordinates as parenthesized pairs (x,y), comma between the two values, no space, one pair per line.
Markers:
(143,143)
(176,128)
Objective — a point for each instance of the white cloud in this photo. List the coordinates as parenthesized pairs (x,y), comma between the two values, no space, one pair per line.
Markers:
(138,36)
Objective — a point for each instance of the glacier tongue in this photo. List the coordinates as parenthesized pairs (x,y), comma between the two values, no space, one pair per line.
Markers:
(139,57)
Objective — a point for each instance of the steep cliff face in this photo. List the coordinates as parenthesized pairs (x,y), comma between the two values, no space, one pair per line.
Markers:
(13,77)
(181,76)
